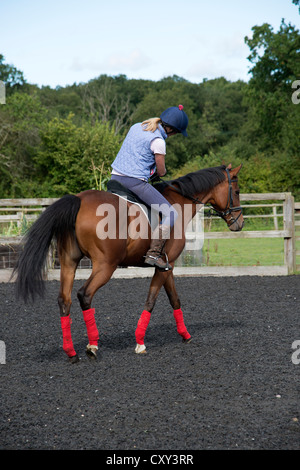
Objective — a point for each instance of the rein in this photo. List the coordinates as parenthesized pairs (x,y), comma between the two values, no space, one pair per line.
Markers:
(229,206)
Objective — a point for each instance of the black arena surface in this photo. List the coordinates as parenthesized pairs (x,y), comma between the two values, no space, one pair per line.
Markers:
(234,386)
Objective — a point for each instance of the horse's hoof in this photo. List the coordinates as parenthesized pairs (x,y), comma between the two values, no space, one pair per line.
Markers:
(91,352)
(140,349)
(186,341)
(74,359)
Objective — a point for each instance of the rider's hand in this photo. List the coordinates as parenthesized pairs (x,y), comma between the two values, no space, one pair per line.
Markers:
(153,178)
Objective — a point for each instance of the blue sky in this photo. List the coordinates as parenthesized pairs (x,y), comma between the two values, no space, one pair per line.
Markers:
(70,41)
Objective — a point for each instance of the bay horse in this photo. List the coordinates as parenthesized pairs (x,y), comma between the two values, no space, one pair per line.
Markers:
(73,221)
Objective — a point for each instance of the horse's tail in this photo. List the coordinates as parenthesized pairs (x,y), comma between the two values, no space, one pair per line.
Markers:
(57,221)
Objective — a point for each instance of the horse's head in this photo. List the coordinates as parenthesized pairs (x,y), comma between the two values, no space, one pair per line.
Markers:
(226,200)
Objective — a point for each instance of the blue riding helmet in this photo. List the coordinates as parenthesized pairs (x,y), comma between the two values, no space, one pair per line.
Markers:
(175,117)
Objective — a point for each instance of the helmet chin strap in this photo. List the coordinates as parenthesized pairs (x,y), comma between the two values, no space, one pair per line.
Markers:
(171,131)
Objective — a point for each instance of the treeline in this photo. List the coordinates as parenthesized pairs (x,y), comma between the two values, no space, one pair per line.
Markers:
(63,140)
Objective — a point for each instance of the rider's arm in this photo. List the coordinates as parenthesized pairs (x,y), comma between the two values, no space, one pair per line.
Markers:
(158,147)
(160,164)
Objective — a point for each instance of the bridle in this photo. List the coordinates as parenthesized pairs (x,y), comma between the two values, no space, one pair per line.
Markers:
(229,205)
(223,214)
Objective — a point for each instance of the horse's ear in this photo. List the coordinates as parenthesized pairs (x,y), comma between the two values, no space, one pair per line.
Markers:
(236,170)
(229,167)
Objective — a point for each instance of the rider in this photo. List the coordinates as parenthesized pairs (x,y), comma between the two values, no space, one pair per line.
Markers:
(142,153)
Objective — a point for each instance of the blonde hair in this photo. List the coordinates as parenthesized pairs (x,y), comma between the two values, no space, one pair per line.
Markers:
(151,124)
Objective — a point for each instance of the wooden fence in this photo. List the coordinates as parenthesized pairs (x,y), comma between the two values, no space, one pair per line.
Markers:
(281,206)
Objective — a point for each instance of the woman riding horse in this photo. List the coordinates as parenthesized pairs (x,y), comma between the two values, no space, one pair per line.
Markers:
(73,221)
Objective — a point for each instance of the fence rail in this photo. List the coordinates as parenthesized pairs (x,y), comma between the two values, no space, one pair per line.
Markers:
(286,211)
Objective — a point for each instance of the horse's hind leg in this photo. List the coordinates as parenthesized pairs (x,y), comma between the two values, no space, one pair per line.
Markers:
(170,289)
(101,274)
(67,274)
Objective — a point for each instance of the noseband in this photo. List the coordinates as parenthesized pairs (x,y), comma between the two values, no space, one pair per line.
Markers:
(229,206)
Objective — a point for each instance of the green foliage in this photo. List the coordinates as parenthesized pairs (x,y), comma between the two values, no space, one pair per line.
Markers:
(297,2)
(20,122)
(275,57)
(11,76)
(68,154)
(276,66)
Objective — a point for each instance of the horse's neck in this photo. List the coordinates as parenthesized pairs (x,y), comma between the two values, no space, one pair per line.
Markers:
(203,199)
(173,195)
(189,208)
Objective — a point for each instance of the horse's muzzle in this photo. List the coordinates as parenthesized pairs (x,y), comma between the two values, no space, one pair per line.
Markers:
(237,224)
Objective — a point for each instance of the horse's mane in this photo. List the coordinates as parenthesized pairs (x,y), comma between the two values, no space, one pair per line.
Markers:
(198,181)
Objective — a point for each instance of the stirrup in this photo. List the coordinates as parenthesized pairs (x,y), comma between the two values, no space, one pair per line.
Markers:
(168,267)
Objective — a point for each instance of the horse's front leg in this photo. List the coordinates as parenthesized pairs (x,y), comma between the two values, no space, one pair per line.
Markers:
(158,280)
(169,286)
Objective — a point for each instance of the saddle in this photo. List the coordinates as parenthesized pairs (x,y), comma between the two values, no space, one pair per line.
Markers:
(115,187)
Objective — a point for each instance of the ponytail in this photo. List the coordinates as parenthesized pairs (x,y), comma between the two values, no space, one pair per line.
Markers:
(151,125)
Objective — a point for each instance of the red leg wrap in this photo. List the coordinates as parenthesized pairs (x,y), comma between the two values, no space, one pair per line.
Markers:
(67,338)
(142,327)
(181,328)
(92,331)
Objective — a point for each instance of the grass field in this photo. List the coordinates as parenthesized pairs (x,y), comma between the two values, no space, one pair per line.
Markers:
(239,252)
(243,252)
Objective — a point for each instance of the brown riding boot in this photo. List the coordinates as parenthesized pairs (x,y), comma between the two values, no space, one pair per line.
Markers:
(154,254)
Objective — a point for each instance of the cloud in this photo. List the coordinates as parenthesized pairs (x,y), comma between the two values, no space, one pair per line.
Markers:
(136,60)
(213,69)
(232,46)
(219,57)
(133,61)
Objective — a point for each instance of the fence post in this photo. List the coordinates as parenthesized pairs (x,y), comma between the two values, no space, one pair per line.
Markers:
(288,224)
(275,217)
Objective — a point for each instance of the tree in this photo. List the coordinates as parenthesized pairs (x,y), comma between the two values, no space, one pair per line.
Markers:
(102,102)
(275,57)
(276,65)
(11,76)
(69,154)
(20,121)
(297,2)
(223,111)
